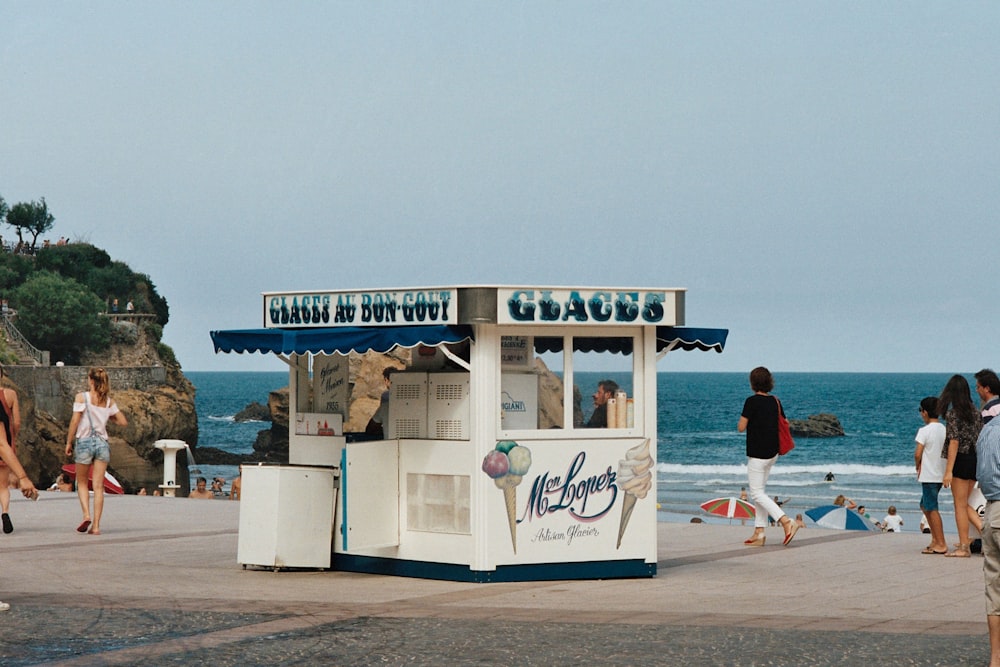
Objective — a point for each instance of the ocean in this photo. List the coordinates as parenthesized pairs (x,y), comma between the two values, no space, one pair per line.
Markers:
(699,453)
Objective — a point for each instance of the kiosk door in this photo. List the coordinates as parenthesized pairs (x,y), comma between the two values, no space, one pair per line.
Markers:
(370,488)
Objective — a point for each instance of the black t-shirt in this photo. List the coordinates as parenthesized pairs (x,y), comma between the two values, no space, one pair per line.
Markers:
(762,426)
(600,417)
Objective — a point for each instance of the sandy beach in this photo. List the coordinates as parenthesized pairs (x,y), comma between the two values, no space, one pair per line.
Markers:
(162,586)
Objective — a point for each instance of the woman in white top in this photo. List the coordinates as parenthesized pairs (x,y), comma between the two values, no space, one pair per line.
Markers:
(92,410)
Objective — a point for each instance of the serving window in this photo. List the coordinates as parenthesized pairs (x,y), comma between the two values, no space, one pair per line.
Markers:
(568,385)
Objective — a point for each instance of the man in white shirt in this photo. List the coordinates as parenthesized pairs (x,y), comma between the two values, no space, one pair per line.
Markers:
(930,472)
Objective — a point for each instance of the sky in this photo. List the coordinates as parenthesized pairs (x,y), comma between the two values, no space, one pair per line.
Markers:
(823,178)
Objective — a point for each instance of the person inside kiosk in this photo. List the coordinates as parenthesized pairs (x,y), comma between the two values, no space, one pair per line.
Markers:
(606,389)
(376,425)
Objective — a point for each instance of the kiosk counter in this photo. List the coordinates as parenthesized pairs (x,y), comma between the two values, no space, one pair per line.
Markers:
(518,443)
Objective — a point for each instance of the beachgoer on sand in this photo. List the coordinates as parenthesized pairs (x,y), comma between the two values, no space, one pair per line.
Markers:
(236,488)
(844,501)
(201,491)
(893,522)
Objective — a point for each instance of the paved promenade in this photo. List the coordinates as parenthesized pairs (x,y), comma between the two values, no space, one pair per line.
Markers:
(161,586)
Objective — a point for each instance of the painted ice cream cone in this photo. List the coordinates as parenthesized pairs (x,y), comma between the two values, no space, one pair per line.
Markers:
(510,499)
(506,465)
(627,508)
(635,479)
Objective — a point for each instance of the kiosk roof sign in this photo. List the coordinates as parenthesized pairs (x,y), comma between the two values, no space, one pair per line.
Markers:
(475,304)
(360,308)
(590,306)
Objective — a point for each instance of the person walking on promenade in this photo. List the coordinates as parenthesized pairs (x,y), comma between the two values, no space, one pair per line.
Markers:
(988,388)
(930,472)
(10,416)
(92,410)
(988,473)
(760,422)
(962,424)
(28,489)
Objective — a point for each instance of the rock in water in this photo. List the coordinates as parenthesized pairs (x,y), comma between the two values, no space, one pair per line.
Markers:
(816,426)
(254,412)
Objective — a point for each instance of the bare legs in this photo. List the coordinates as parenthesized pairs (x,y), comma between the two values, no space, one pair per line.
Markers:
(83,488)
(83,491)
(99,468)
(6,475)
(960,490)
(994,624)
(938,541)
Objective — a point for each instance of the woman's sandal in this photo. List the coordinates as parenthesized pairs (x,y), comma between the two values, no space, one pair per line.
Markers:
(960,552)
(790,533)
(756,542)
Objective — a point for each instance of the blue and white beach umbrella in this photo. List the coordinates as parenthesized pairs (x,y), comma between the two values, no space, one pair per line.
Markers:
(839,518)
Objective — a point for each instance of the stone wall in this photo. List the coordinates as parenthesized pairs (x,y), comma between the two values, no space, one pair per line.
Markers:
(49,386)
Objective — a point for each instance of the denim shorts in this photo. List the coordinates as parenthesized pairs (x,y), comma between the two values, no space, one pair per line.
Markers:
(929,499)
(91,448)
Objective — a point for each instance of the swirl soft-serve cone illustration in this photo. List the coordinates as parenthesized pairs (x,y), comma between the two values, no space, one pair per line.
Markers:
(506,465)
(635,479)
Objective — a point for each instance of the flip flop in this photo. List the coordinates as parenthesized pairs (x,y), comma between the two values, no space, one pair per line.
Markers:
(930,551)
(82,528)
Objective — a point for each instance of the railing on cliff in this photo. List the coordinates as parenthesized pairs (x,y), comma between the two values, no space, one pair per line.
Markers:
(129,317)
(41,357)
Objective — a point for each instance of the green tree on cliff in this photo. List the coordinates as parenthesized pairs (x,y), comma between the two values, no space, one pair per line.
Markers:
(61,315)
(14,270)
(108,279)
(58,290)
(31,218)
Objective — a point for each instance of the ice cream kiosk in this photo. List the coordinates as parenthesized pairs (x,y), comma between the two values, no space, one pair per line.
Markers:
(518,444)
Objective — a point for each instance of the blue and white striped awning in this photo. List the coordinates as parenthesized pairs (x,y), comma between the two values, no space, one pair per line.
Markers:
(337,340)
(343,340)
(690,338)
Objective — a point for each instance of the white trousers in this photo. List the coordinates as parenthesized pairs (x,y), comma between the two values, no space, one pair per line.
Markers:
(757,473)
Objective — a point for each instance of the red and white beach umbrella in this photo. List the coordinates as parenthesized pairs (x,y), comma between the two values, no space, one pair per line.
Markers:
(729,508)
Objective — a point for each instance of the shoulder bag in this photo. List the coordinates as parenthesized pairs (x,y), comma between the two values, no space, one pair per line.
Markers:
(785,442)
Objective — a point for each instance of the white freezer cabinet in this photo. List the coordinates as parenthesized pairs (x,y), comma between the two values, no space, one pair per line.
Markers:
(286,516)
